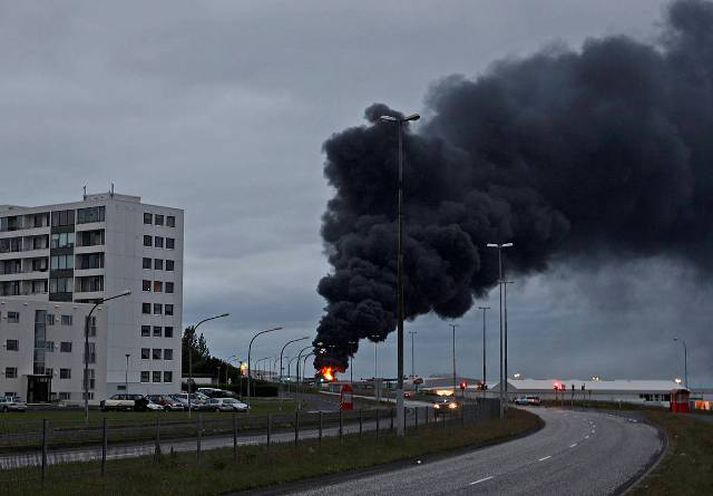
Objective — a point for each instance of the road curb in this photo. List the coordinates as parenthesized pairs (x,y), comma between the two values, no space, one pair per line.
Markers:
(651,465)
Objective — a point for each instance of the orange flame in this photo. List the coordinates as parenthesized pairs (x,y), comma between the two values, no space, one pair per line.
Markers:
(327,373)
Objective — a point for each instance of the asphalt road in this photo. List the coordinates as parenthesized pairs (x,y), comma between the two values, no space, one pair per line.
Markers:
(576,453)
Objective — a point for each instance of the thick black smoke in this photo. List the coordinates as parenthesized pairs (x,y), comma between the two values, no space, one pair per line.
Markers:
(606,150)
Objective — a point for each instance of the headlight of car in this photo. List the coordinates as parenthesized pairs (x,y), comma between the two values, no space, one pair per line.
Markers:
(436,406)
(452,406)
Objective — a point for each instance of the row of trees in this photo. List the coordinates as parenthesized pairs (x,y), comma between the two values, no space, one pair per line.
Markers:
(195,351)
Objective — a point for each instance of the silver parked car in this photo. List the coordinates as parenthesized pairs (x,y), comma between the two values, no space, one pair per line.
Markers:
(226,405)
(12,404)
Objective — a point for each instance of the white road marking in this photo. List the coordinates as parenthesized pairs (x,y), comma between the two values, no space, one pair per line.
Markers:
(481,480)
(573,445)
(544,458)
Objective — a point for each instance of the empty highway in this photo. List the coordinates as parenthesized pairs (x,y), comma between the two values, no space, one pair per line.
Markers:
(576,453)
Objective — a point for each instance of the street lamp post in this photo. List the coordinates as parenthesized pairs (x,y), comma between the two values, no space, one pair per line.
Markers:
(126,376)
(250,348)
(505,327)
(500,247)
(413,355)
(351,363)
(283,350)
(685,360)
(297,385)
(484,309)
(86,348)
(400,122)
(453,326)
(304,364)
(194,328)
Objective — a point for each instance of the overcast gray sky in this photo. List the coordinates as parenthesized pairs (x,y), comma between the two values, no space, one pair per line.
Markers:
(221,108)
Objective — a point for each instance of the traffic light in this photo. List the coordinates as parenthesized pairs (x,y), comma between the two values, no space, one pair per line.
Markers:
(463,385)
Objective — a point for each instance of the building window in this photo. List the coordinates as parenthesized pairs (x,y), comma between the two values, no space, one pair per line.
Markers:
(66,320)
(63,218)
(65,396)
(13,317)
(170,243)
(90,353)
(91,214)
(156,376)
(145,331)
(157,331)
(169,287)
(10,372)
(168,309)
(62,240)
(146,308)
(157,309)
(171,220)
(148,218)
(90,238)
(145,376)
(49,346)
(65,347)
(146,285)
(62,262)
(93,327)
(65,373)
(168,376)
(158,264)
(50,319)
(168,332)
(156,354)
(89,378)
(168,354)
(145,353)
(90,261)
(169,265)
(12,345)
(146,263)
(158,242)
(61,285)
(157,287)
(147,240)
(158,218)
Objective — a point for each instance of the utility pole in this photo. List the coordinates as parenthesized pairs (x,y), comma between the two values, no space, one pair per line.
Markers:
(453,326)
(505,309)
(485,381)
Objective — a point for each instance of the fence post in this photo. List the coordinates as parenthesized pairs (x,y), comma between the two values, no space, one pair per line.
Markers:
(361,423)
(157,447)
(341,425)
(105,442)
(391,415)
(377,423)
(235,437)
(415,418)
(269,429)
(199,434)
(297,427)
(320,427)
(44,448)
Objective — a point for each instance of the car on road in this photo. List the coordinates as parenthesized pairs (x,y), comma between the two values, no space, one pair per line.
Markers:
(168,403)
(126,402)
(12,404)
(226,405)
(445,406)
(528,401)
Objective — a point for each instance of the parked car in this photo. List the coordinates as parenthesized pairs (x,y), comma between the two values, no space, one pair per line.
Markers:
(528,401)
(197,400)
(445,406)
(215,393)
(154,406)
(168,403)
(12,404)
(123,401)
(226,405)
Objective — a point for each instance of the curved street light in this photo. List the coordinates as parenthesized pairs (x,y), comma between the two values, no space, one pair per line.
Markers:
(283,350)
(250,347)
(194,328)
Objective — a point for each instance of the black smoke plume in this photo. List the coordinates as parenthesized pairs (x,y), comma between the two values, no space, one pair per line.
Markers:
(568,154)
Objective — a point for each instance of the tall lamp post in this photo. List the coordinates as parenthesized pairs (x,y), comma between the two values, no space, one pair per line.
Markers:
(484,309)
(685,360)
(304,364)
(413,355)
(297,385)
(86,347)
(453,327)
(194,328)
(126,377)
(400,122)
(351,364)
(283,350)
(250,348)
(505,328)
(500,247)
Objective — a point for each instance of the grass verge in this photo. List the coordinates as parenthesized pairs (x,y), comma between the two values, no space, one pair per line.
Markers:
(257,467)
(687,468)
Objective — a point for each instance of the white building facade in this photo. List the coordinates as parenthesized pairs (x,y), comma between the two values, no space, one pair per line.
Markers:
(56,261)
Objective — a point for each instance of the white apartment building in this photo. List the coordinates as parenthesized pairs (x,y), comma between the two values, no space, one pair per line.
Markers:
(56,261)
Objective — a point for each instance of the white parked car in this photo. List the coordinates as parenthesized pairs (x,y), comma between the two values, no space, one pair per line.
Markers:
(12,404)
(226,405)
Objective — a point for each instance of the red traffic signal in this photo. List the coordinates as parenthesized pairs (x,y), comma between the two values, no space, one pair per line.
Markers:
(463,385)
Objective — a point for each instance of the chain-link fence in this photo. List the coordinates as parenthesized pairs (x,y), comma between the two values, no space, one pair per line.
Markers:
(42,450)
